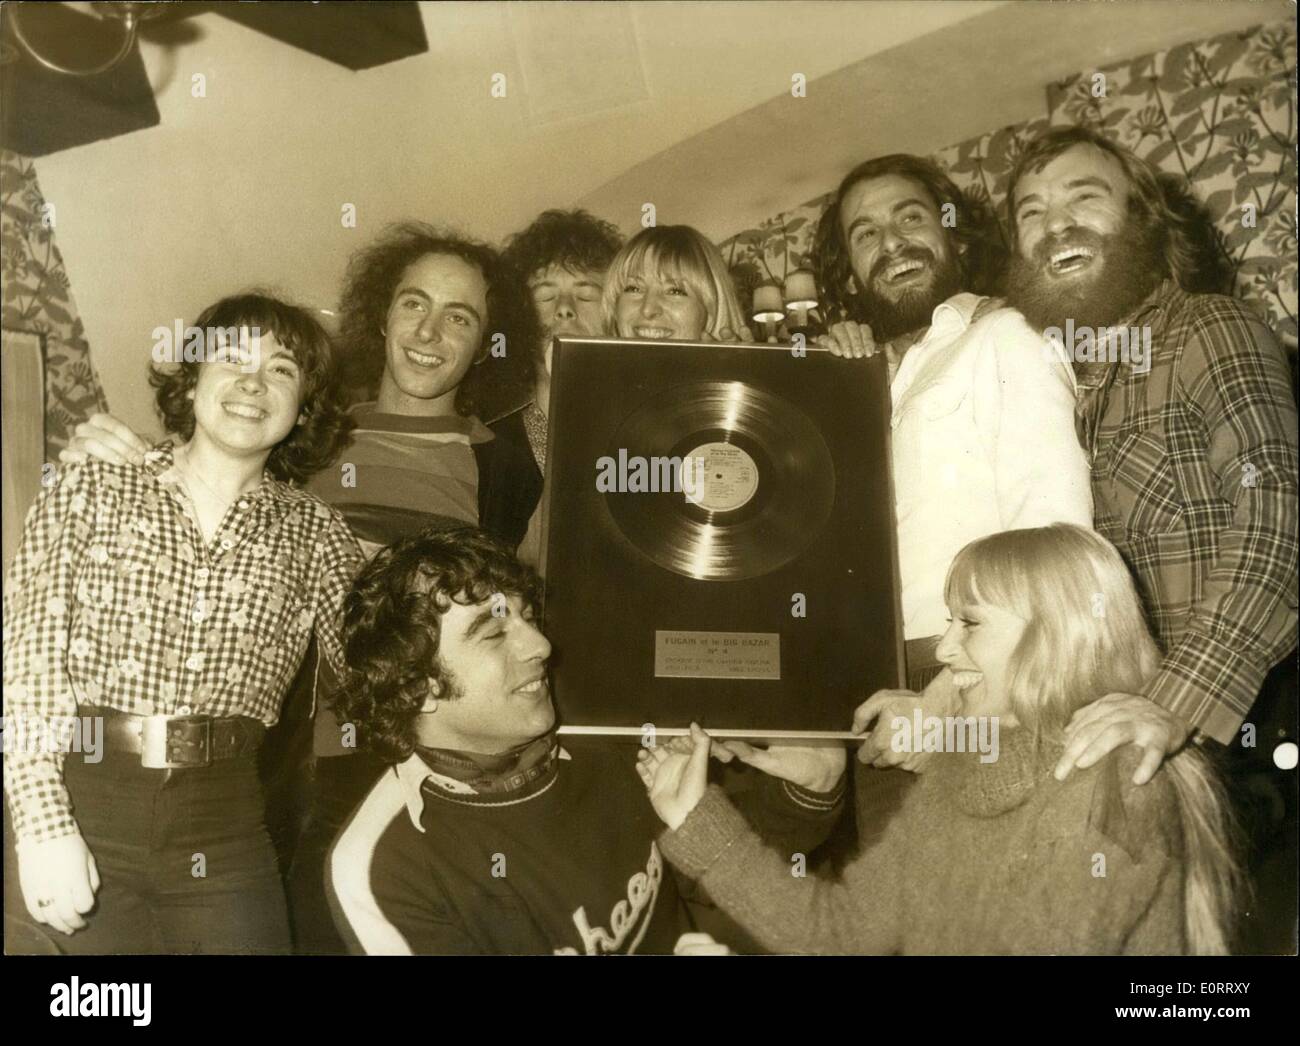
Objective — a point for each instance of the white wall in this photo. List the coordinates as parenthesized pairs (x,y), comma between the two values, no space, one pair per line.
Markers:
(245,185)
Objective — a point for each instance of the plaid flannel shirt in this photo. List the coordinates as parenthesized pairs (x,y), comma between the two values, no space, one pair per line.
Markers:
(115,600)
(1194,480)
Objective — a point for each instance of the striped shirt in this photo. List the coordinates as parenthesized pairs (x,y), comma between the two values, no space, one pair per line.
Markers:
(399,461)
(116,600)
(400,473)
(1194,481)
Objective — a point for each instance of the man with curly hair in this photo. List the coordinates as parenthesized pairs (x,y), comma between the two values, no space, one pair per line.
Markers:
(982,417)
(441,330)
(562,257)
(171,604)
(983,437)
(438,330)
(485,836)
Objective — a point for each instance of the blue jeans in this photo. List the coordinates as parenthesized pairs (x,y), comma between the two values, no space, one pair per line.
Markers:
(185,862)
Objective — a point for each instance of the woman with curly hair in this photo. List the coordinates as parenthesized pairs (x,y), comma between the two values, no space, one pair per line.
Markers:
(155,616)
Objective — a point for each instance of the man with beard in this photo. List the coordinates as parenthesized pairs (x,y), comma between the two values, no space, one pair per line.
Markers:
(1193,450)
(983,434)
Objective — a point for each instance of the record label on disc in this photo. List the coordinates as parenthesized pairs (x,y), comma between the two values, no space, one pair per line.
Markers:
(729,477)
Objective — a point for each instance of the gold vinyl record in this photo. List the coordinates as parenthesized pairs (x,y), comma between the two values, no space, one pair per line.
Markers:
(720,480)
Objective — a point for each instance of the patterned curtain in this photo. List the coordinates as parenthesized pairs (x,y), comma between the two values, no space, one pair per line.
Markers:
(37,297)
(775,249)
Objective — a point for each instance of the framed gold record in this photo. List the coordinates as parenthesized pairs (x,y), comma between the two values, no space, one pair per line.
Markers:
(718,538)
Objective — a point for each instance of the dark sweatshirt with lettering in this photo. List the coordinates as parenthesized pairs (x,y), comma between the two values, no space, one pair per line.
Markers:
(558,858)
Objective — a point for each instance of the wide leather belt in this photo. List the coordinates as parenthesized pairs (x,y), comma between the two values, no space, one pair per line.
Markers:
(173,742)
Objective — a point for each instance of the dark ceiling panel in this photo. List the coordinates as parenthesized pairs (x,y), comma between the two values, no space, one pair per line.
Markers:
(351,34)
(42,111)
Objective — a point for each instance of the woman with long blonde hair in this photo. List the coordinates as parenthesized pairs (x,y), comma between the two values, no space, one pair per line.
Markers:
(990,853)
(669,281)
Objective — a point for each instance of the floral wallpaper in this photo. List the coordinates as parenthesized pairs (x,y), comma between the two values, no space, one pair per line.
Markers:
(1219,113)
(773,250)
(37,297)
(981,166)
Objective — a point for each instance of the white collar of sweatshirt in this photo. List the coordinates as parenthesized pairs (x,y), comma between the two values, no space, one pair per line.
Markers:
(414,771)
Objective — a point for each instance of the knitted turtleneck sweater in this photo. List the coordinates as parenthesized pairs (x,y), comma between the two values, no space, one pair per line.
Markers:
(996,858)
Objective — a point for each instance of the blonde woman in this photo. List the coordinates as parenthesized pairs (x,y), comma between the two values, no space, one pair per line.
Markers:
(671,282)
(997,856)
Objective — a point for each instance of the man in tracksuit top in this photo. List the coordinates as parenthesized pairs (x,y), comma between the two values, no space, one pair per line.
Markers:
(486,836)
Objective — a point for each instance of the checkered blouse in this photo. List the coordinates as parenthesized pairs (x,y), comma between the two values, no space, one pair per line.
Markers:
(115,599)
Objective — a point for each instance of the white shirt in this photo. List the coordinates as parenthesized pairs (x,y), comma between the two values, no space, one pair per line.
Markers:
(983,441)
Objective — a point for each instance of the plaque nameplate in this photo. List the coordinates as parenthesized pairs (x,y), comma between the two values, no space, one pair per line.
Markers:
(717,655)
